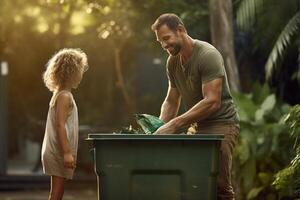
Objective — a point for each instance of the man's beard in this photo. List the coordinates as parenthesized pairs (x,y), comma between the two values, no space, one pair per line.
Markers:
(176,49)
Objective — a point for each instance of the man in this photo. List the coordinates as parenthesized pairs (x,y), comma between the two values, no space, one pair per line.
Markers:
(197,75)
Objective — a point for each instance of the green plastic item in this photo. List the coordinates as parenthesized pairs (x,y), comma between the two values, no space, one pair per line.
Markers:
(156,167)
(148,123)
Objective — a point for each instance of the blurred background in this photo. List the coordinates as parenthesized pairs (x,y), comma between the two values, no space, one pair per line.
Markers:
(260,43)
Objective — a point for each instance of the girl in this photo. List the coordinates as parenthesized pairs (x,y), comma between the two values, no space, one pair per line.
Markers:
(64,73)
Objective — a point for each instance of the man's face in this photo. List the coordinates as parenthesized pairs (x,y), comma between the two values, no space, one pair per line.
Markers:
(169,40)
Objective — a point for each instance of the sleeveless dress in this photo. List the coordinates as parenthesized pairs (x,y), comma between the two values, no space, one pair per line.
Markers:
(51,155)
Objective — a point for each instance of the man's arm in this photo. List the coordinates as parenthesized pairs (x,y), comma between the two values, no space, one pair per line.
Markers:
(212,92)
(170,106)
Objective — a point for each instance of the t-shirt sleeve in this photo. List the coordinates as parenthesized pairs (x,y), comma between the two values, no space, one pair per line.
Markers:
(170,72)
(212,66)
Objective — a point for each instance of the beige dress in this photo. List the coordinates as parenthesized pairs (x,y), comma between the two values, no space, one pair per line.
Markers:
(52,156)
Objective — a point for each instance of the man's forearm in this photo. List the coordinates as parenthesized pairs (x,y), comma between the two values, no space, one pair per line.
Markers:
(168,111)
(200,111)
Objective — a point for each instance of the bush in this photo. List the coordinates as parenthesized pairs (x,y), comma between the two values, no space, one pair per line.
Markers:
(263,147)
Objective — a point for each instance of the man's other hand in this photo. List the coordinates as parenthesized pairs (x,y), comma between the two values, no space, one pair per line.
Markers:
(168,128)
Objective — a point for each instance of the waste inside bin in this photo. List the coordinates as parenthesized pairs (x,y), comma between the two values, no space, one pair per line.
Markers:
(148,123)
(156,167)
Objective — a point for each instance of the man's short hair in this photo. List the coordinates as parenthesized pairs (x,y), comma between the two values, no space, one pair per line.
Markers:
(169,19)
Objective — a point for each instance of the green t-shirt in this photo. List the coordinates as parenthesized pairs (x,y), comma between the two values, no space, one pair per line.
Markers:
(204,65)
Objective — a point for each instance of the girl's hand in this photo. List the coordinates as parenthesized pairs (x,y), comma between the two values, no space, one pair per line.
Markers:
(69,161)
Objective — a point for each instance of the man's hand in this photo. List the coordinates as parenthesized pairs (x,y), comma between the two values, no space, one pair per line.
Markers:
(168,128)
(69,161)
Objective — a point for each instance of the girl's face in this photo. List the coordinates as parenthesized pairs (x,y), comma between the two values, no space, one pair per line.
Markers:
(77,79)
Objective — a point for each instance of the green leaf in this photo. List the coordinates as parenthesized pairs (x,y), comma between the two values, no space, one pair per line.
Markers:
(247,13)
(260,92)
(246,107)
(259,115)
(285,108)
(265,178)
(282,42)
(254,192)
(283,178)
(265,107)
(269,103)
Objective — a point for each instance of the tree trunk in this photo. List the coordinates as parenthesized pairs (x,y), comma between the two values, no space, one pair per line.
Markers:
(222,38)
(220,12)
(120,80)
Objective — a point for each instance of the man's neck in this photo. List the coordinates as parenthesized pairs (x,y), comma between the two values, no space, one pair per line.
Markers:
(187,49)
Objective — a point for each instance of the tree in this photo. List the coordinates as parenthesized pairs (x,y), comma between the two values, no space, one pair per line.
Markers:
(115,27)
(221,28)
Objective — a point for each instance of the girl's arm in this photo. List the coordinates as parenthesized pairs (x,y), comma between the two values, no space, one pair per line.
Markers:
(63,104)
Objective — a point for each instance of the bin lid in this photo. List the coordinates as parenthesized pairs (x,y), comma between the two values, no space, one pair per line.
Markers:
(110,136)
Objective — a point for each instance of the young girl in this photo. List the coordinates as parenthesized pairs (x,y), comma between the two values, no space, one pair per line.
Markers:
(64,73)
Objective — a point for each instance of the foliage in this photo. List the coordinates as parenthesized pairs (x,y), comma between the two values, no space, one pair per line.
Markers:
(258,154)
(283,41)
(293,121)
(287,179)
(282,29)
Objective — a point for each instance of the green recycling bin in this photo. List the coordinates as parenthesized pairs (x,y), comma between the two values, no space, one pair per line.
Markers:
(156,167)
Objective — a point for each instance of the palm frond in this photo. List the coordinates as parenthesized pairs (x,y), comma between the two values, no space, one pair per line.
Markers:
(247,13)
(282,42)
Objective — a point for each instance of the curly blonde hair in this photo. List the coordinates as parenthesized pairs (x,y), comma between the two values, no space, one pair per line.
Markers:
(64,69)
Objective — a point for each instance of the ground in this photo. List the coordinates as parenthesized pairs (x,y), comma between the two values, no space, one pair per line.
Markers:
(70,194)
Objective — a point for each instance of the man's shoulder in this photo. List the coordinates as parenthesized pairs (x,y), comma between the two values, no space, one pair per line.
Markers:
(204,44)
(206,51)
(205,47)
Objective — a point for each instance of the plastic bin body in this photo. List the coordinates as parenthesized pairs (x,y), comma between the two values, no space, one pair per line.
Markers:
(156,167)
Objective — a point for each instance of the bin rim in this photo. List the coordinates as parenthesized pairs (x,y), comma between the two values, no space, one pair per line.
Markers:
(119,136)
